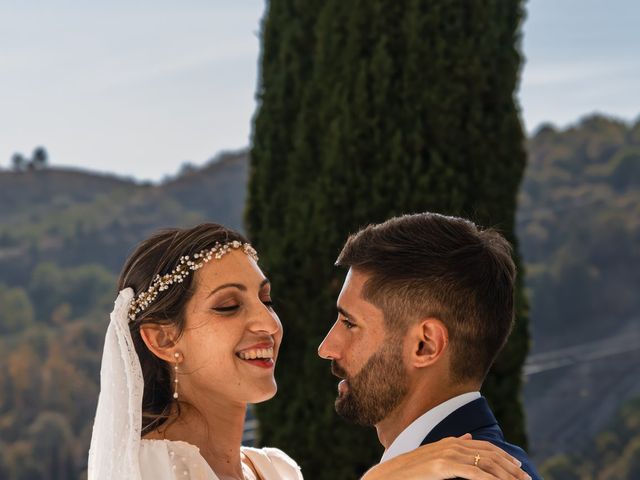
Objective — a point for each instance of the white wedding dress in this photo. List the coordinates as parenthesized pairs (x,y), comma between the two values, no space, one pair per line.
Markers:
(175,460)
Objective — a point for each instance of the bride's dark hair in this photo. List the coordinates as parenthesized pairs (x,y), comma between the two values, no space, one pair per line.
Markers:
(159,255)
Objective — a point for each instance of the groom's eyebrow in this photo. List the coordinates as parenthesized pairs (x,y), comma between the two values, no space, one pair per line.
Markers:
(344,313)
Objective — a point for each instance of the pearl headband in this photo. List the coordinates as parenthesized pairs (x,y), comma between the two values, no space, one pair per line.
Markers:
(185,266)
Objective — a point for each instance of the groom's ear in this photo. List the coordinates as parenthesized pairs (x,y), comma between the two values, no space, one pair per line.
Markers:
(160,340)
(430,339)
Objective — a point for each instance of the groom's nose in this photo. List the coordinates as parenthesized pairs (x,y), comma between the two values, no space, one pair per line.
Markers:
(329,348)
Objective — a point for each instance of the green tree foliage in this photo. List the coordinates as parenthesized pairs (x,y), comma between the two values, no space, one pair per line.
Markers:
(368,110)
(18,162)
(16,310)
(560,467)
(80,289)
(38,161)
(49,379)
(39,158)
(19,464)
(613,455)
(52,441)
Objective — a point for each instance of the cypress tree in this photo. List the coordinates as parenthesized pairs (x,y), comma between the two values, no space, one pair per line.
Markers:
(369,109)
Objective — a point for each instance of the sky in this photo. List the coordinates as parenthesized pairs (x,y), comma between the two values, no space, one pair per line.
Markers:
(140,88)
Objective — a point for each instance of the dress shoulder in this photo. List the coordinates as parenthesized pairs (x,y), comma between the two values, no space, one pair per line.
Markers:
(172,460)
(176,460)
(273,463)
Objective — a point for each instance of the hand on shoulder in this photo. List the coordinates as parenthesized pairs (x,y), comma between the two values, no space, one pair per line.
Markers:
(451,458)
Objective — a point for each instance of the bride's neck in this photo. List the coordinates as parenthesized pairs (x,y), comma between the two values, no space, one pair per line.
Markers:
(216,429)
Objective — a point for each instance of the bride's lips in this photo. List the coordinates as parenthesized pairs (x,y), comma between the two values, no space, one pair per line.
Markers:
(264,353)
(266,363)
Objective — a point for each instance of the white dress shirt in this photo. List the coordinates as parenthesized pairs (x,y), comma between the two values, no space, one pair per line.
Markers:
(411,437)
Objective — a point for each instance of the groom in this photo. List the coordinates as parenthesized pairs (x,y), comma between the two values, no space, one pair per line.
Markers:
(425,308)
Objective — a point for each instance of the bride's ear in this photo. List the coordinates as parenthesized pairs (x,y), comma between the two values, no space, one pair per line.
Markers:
(160,340)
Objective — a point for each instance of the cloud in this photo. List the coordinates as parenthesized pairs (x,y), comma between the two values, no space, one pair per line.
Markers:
(562,74)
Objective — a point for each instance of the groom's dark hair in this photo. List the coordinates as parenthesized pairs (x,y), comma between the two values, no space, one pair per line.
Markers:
(431,265)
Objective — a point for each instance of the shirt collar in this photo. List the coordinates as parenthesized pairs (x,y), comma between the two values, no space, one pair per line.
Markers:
(411,437)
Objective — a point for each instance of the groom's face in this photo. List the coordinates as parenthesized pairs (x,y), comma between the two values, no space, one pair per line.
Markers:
(365,356)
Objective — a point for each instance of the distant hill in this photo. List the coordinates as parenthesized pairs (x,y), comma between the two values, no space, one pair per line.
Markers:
(579,230)
(72,218)
(216,191)
(41,192)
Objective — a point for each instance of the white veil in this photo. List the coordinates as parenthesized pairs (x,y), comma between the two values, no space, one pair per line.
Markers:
(115,441)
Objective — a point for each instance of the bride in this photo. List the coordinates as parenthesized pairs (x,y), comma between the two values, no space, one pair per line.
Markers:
(193,339)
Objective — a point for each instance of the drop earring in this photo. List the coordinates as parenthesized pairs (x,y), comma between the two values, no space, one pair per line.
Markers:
(175,379)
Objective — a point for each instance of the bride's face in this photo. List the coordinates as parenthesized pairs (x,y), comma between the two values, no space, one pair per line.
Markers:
(232,335)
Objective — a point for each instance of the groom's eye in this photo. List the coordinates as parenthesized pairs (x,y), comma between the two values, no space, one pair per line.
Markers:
(349,325)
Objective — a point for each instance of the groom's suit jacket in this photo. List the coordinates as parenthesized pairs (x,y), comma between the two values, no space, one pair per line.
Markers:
(477,419)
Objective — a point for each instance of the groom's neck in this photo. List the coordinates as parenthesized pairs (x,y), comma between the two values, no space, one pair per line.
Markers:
(418,401)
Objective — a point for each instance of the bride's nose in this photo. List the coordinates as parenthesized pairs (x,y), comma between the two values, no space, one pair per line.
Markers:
(264,319)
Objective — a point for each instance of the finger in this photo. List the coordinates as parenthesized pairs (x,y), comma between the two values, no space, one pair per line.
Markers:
(494,463)
(509,467)
(501,468)
(482,473)
(472,473)
(481,445)
(487,447)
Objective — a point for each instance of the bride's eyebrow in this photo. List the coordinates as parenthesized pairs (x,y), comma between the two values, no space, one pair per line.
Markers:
(239,286)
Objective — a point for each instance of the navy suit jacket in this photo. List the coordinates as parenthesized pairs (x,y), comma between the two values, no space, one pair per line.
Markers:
(477,419)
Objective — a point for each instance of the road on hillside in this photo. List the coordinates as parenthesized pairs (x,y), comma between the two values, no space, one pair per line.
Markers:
(572,393)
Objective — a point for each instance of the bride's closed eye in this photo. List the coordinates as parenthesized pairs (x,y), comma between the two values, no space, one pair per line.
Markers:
(233,306)
(226,309)
(226,305)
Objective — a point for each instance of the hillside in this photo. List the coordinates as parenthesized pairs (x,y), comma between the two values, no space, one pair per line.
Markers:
(69,224)
(579,228)
(41,192)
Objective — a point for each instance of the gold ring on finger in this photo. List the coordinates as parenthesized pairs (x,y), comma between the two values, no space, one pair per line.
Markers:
(476,460)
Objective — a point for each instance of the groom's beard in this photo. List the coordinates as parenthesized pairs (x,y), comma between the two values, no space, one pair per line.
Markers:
(376,390)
